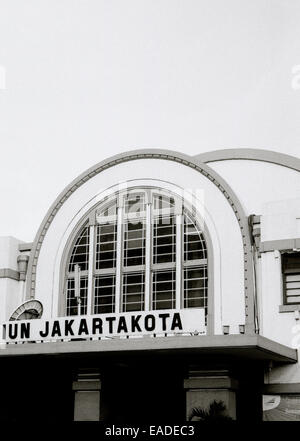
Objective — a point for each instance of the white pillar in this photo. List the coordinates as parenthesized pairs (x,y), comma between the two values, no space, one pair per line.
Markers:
(148,258)
(178,261)
(119,260)
(90,274)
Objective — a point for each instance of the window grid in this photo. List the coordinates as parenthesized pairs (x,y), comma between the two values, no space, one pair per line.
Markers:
(133,292)
(134,242)
(291,278)
(72,303)
(80,252)
(164,239)
(162,283)
(194,242)
(135,203)
(104,294)
(195,288)
(108,211)
(161,202)
(164,290)
(106,246)
(292,288)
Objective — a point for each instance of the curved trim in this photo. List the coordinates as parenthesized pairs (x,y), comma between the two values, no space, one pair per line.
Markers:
(251,154)
(169,155)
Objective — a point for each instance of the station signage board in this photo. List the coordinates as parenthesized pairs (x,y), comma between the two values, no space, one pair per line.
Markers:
(135,323)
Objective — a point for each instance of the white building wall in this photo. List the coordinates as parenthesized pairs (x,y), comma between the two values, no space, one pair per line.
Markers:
(218,215)
(11,297)
(9,251)
(272,191)
(265,189)
(257,183)
(280,219)
(275,325)
(10,290)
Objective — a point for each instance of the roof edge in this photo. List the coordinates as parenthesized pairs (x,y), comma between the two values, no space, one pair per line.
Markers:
(265,349)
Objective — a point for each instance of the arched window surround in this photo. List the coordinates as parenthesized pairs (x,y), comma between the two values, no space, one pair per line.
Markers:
(180,207)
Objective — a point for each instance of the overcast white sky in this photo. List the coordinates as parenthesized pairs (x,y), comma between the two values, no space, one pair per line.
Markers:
(86,79)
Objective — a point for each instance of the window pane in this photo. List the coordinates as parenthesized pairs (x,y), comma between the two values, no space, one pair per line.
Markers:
(104,297)
(291,261)
(80,253)
(293,299)
(134,243)
(106,246)
(72,303)
(161,202)
(109,210)
(291,278)
(194,242)
(195,288)
(164,239)
(292,286)
(133,292)
(164,290)
(293,292)
(135,203)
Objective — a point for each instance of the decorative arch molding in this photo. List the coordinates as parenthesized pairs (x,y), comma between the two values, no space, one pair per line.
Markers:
(251,154)
(168,155)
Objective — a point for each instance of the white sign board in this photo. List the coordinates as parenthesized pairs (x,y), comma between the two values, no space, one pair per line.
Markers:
(106,325)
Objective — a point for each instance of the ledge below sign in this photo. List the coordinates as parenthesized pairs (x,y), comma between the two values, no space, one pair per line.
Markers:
(106,325)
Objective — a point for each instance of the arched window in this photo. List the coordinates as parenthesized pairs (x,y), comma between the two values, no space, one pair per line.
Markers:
(138,251)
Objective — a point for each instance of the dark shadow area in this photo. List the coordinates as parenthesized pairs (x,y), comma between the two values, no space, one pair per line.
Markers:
(143,392)
(143,389)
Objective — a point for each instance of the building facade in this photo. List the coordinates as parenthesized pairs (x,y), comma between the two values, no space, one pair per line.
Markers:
(157,284)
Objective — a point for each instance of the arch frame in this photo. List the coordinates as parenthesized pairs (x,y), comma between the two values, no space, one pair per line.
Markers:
(168,155)
(88,218)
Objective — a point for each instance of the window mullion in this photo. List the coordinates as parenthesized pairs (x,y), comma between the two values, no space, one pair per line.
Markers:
(119,260)
(148,258)
(91,268)
(179,233)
